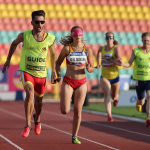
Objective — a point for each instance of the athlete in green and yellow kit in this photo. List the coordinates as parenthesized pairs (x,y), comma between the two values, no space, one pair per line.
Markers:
(141,73)
(36,43)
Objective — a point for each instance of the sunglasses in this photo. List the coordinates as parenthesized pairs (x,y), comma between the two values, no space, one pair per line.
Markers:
(109,37)
(37,22)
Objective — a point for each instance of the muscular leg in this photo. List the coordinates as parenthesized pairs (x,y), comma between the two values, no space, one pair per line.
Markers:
(105,84)
(141,102)
(32,108)
(28,103)
(114,93)
(115,90)
(79,97)
(38,107)
(65,101)
(140,91)
(148,104)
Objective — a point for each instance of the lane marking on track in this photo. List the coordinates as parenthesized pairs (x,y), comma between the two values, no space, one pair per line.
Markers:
(79,137)
(44,111)
(16,115)
(114,116)
(10,142)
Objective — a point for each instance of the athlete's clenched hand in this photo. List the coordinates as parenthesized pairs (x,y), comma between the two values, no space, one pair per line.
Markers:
(6,66)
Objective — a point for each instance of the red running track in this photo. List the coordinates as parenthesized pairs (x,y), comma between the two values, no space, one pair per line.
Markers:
(95,132)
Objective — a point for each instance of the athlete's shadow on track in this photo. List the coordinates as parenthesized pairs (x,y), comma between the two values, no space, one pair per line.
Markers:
(11,128)
(129,130)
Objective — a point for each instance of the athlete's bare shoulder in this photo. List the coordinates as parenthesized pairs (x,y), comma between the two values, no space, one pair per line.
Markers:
(89,51)
(117,47)
(19,39)
(66,49)
(64,52)
(21,36)
(100,48)
(88,48)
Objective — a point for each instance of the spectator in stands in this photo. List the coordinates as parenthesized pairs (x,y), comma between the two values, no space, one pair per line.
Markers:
(141,73)
(77,55)
(109,80)
(36,43)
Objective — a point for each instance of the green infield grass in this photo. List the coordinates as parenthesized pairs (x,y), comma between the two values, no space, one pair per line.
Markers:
(125,111)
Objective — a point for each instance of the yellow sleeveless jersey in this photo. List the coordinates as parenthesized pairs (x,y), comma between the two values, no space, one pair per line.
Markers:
(141,70)
(109,70)
(33,58)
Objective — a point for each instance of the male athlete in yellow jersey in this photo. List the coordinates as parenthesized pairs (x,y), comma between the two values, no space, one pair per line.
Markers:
(141,73)
(36,43)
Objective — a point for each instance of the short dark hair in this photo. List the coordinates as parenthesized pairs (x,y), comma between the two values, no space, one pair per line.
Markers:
(38,13)
(145,34)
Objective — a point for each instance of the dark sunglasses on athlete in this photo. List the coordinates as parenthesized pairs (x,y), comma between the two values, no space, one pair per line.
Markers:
(109,37)
(37,22)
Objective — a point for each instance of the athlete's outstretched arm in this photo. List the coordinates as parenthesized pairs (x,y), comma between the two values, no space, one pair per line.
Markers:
(119,61)
(99,57)
(53,62)
(60,59)
(129,63)
(13,46)
(90,65)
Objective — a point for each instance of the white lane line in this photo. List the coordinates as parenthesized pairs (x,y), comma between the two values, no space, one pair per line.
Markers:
(16,115)
(60,115)
(11,142)
(79,136)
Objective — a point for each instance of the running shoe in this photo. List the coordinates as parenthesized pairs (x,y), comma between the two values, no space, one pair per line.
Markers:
(110,119)
(115,103)
(26,131)
(138,107)
(147,123)
(37,129)
(75,140)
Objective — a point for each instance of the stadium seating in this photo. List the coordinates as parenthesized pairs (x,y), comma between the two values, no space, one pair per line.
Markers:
(98,25)
(127,19)
(81,11)
(79,2)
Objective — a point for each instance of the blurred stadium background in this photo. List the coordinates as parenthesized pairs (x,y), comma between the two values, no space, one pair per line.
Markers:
(126,18)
